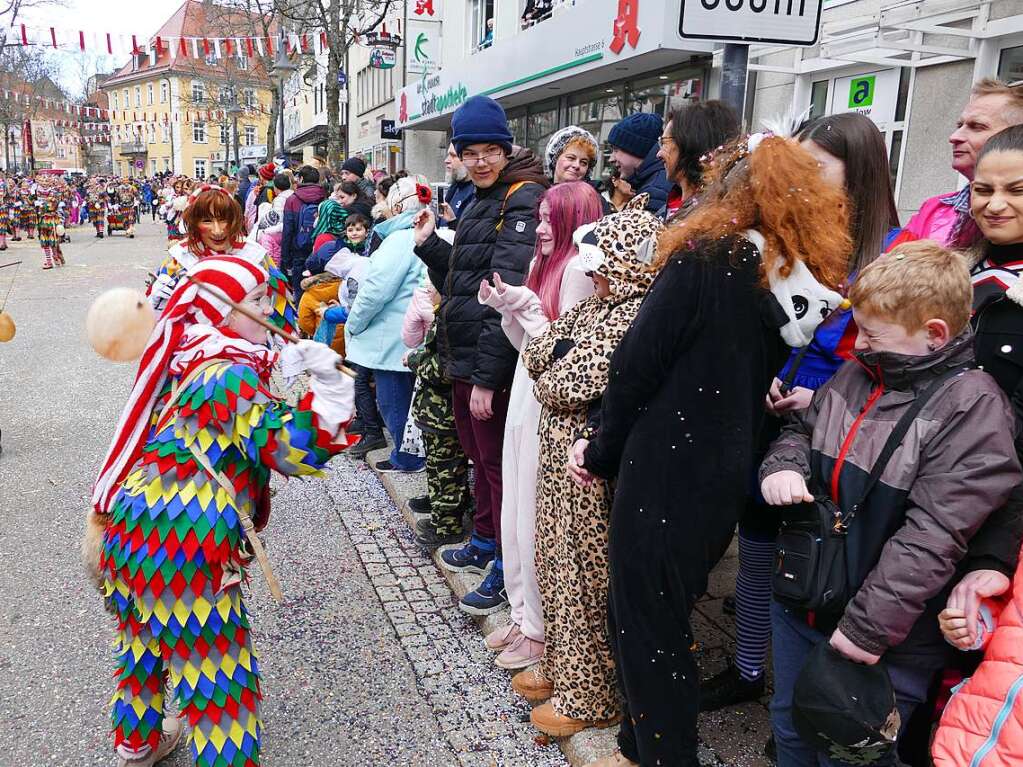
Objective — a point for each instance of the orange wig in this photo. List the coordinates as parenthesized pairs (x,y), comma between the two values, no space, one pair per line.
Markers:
(213,204)
(777,190)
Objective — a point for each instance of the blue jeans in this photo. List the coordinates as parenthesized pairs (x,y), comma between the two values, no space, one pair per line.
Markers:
(792,639)
(394,397)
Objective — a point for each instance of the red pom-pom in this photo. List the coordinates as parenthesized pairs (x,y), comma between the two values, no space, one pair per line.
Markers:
(424,194)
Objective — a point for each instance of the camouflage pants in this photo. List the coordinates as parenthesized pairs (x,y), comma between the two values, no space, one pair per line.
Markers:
(447,478)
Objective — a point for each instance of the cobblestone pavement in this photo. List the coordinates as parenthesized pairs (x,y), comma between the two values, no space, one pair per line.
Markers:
(368,663)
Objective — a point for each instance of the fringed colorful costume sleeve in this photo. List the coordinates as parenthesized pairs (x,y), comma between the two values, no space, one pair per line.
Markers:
(173,559)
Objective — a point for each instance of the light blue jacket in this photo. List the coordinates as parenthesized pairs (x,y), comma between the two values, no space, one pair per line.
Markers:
(373,329)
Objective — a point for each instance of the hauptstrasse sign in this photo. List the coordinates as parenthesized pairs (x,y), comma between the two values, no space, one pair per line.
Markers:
(788,22)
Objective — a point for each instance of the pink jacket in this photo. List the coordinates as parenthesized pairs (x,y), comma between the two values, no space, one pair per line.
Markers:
(983,721)
(418,318)
(934,221)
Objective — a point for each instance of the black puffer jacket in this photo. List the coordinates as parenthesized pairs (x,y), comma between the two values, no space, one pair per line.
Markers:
(472,346)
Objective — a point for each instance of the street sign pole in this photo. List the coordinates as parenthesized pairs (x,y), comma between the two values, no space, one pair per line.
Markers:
(734,65)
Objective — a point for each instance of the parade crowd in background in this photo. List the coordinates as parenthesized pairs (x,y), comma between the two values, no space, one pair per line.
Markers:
(602,381)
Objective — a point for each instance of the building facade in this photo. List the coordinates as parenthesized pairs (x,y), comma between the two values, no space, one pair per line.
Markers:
(185,110)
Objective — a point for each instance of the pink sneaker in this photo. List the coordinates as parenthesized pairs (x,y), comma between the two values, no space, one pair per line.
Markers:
(499,639)
(522,653)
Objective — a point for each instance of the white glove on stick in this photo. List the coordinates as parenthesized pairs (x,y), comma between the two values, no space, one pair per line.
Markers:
(161,290)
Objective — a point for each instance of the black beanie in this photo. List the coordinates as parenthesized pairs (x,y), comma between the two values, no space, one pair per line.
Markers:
(355,165)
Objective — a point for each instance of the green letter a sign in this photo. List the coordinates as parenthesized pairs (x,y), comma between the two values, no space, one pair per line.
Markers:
(861,92)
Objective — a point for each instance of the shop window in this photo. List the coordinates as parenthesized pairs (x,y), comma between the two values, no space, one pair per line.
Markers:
(818,99)
(1010,65)
(903,98)
(662,93)
(541,123)
(517,125)
(894,155)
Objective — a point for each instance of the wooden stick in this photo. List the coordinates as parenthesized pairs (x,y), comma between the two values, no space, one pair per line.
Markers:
(290,337)
(13,263)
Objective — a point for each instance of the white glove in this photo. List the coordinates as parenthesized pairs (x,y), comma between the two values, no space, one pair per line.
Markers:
(161,291)
(318,359)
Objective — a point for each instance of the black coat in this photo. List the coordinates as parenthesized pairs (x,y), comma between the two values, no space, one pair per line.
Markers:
(683,406)
(472,345)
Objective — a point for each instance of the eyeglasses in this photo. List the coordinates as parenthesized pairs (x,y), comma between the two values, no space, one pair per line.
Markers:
(662,140)
(489,158)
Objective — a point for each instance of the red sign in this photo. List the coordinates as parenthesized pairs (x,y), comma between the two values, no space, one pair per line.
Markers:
(403,109)
(424,8)
(626,26)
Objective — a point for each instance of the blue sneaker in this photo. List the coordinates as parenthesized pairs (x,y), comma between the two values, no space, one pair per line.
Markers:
(489,596)
(473,557)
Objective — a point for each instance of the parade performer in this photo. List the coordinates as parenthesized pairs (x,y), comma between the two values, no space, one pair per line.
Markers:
(214,225)
(188,468)
(50,232)
(5,216)
(14,211)
(29,217)
(97,209)
(173,208)
(128,205)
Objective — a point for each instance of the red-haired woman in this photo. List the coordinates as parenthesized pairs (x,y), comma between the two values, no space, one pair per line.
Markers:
(215,225)
(556,282)
(683,407)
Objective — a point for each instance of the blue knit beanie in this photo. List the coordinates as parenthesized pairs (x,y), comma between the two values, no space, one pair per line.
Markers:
(636,133)
(481,120)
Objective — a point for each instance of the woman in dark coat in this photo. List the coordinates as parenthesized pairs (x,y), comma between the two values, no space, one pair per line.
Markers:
(684,403)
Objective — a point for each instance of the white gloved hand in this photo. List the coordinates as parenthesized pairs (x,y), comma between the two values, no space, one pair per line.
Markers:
(318,359)
(161,291)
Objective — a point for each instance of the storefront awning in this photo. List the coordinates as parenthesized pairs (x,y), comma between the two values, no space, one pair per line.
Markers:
(581,46)
(315,135)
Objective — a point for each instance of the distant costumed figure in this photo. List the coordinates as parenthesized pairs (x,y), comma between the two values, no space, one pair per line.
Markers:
(29,219)
(51,230)
(6,228)
(186,474)
(97,210)
(213,207)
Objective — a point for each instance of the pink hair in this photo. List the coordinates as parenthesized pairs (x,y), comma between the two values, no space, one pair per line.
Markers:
(573,204)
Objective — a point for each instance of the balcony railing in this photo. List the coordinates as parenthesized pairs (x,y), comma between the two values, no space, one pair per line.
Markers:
(133,147)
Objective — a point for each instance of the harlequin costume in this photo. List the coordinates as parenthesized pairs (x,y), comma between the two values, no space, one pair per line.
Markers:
(5,218)
(29,217)
(189,465)
(50,232)
(97,210)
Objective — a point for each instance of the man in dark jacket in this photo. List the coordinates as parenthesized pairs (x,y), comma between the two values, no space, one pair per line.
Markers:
(293,256)
(634,143)
(354,169)
(497,233)
(460,191)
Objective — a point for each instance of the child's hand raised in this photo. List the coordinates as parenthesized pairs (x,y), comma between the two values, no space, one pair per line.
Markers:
(784,488)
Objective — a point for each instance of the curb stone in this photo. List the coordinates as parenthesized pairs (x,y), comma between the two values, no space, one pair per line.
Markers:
(730,738)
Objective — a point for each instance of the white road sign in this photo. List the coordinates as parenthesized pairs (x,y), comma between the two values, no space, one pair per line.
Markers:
(789,22)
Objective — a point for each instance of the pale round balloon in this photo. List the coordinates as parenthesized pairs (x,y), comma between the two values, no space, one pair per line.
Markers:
(119,324)
(7,329)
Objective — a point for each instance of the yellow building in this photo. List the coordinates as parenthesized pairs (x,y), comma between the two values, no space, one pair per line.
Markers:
(176,106)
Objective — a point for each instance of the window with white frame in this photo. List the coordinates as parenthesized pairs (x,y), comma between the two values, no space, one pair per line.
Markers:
(199,132)
(163,93)
(198,92)
(249,97)
(211,59)
(115,100)
(225,134)
(166,163)
(152,166)
(243,63)
(165,133)
(152,133)
(200,169)
(250,135)
(127,101)
(138,95)
(149,95)
(480,11)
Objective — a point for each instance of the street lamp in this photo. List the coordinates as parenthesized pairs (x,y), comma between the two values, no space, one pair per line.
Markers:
(282,69)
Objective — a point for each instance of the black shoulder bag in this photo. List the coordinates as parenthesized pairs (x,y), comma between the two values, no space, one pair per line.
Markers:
(810,571)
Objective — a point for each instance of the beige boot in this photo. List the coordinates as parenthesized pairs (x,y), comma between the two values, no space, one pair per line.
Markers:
(169,739)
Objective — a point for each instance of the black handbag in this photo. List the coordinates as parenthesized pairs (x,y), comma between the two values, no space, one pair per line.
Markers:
(810,569)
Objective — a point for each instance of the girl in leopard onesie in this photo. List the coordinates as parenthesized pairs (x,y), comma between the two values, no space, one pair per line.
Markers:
(569,364)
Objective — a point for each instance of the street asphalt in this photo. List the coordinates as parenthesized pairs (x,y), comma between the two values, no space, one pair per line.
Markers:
(339,686)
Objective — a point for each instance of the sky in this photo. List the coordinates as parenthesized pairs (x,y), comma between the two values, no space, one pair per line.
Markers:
(133,17)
